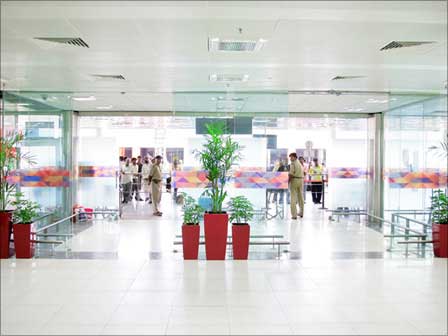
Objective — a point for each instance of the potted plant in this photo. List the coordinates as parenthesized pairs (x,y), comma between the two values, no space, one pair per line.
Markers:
(24,213)
(190,228)
(217,157)
(9,158)
(439,206)
(241,212)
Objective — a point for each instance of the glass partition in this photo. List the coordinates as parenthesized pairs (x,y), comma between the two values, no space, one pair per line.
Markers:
(415,161)
(47,133)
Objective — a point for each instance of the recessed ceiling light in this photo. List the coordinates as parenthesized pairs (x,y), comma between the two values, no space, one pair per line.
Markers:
(231,45)
(350,109)
(107,107)
(90,98)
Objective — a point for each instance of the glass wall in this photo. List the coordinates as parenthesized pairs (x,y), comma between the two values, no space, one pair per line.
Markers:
(47,133)
(415,162)
(340,143)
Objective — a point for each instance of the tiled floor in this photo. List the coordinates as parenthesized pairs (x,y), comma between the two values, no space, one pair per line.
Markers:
(346,297)
(336,279)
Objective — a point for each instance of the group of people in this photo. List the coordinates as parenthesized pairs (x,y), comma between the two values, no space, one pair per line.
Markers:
(298,170)
(137,174)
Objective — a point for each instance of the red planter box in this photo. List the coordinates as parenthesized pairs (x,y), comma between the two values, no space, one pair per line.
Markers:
(23,241)
(215,226)
(240,241)
(440,240)
(190,241)
(5,233)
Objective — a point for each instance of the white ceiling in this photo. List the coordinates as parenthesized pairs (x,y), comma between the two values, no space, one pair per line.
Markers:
(160,47)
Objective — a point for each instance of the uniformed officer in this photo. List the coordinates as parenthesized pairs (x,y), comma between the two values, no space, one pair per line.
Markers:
(295,179)
(155,176)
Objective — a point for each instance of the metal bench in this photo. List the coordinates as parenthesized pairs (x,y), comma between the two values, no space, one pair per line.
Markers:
(278,243)
(251,236)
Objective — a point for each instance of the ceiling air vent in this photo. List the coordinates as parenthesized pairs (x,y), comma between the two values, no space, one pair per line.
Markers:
(75,41)
(108,77)
(226,78)
(404,44)
(347,77)
(215,44)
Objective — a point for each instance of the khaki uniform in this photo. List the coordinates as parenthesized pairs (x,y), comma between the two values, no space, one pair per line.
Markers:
(296,187)
(156,183)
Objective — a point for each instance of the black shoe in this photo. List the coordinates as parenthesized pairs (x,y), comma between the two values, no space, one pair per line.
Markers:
(146,199)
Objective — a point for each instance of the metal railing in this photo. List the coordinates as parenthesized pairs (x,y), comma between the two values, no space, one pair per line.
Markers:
(396,229)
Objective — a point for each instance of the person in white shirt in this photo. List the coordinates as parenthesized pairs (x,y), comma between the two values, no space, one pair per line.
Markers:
(135,191)
(146,168)
(126,180)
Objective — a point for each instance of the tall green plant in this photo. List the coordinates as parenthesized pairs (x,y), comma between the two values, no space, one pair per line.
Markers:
(9,159)
(439,206)
(217,157)
(241,210)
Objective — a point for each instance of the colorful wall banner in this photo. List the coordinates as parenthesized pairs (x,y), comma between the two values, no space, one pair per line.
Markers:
(40,177)
(424,179)
(240,179)
(262,180)
(348,172)
(97,171)
(189,179)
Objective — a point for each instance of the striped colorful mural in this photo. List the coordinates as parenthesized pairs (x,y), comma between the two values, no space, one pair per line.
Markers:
(348,172)
(97,171)
(40,177)
(262,180)
(423,179)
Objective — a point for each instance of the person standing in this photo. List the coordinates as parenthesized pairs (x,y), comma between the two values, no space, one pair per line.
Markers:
(155,177)
(305,172)
(126,180)
(295,179)
(316,181)
(134,190)
(146,168)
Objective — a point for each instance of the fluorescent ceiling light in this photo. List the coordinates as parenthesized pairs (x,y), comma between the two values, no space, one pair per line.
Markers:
(90,98)
(107,107)
(350,109)
(374,101)
(229,78)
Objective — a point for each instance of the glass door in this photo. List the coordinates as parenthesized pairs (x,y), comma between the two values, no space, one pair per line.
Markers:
(98,185)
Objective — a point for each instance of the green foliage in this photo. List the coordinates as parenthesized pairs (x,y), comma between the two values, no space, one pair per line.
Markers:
(10,156)
(25,211)
(192,211)
(217,157)
(439,206)
(241,210)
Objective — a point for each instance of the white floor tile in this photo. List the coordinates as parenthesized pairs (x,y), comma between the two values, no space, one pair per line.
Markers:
(319,328)
(134,329)
(259,329)
(204,328)
(72,329)
(199,315)
(72,313)
(140,314)
(392,328)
